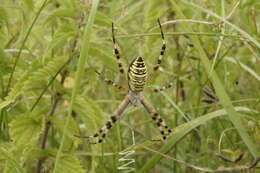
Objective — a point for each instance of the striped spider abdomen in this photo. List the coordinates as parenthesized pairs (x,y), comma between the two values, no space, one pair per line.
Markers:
(137,75)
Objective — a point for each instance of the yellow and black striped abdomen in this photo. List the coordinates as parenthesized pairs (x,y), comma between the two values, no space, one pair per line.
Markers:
(137,75)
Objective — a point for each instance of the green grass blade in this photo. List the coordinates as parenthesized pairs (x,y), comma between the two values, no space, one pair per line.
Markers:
(244,33)
(23,44)
(219,88)
(175,106)
(183,130)
(79,74)
(243,66)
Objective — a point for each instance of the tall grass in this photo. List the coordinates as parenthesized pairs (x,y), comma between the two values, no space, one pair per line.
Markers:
(49,91)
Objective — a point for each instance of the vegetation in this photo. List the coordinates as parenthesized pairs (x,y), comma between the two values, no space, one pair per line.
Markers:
(49,91)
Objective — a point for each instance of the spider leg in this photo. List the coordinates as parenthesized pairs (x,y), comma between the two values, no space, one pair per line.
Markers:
(156,66)
(164,129)
(101,134)
(117,53)
(109,82)
(156,90)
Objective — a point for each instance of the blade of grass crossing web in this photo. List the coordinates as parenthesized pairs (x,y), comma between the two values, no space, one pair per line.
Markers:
(79,74)
(220,90)
(183,130)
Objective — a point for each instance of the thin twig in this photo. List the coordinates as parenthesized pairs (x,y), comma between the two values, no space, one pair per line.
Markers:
(56,99)
(229,160)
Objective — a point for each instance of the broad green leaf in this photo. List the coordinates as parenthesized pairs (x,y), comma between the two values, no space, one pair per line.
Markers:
(90,113)
(5,103)
(34,79)
(69,164)
(25,129)
(18,155)
(59,122)
(11,165)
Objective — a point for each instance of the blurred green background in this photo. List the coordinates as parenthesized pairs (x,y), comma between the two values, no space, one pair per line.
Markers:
(210,44)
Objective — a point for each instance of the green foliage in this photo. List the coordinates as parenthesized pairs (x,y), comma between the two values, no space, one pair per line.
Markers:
(11,165)
(183,130)
(29,4)
(34,78)
(90,113)
(69,164)
(55,94)
(3,15)
(25,129)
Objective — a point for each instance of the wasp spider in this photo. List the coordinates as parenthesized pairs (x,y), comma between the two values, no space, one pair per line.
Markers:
(137,74)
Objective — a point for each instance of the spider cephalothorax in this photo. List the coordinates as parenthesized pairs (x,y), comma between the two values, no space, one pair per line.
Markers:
(137,74)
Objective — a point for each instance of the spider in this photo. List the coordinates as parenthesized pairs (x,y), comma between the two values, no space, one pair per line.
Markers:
(137,74)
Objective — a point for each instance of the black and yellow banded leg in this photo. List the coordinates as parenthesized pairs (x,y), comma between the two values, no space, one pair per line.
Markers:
(159,61)
(117,53)
(156,90)
(109,82)
(165,131)
(101,134)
